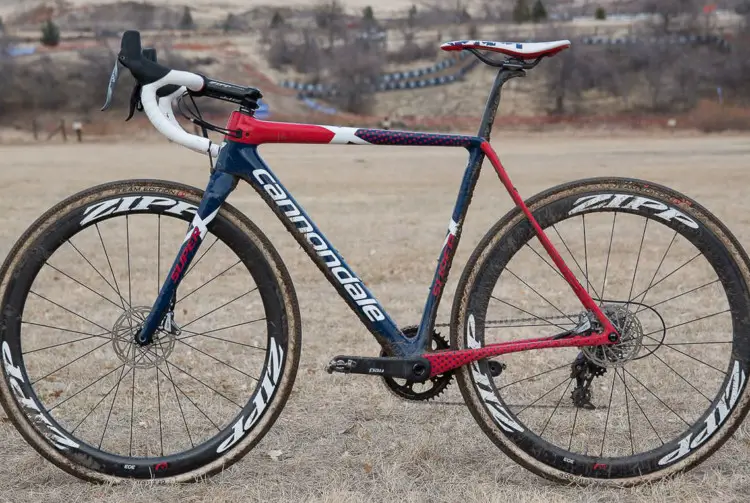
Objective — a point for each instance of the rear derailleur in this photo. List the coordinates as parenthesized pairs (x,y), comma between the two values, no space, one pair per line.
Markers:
(584,372)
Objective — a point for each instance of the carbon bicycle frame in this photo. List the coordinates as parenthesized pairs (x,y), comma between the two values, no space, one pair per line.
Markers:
(239,159)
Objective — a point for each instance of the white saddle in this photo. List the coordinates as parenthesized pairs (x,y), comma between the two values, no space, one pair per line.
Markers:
(520,50)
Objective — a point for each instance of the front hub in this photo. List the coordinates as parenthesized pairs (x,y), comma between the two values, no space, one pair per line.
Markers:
(126,346)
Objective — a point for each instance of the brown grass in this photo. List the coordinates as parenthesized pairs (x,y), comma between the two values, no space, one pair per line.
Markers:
(346,438)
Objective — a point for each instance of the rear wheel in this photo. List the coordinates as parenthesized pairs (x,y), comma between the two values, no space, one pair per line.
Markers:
(673,281)
(75,290)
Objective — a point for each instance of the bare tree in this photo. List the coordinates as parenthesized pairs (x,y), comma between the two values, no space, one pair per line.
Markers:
(669,11)
(355,72)
(329,16)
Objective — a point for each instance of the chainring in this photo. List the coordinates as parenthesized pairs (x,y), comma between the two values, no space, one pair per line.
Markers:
(431,388)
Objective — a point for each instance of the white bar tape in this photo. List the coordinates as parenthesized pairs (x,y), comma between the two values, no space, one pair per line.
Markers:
(161,113)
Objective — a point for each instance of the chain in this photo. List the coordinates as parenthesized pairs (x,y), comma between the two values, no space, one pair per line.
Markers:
(519,320)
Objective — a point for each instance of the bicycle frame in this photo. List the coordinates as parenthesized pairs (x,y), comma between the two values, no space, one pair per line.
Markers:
(239,159)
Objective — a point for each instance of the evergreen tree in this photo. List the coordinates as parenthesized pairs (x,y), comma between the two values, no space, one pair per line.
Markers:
(412,19)
(229,23)
(521,11)
(538,12)
(50,34)
(368,18)
(600,14)
(187,23)
(277,20)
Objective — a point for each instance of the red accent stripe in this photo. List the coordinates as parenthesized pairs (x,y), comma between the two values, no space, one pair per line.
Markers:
(580,292)
(257,132)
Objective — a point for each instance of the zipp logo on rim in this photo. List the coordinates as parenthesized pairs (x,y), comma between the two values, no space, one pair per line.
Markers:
(497,410)
(635,203)
(715,418)
(262,397)
(349,280)
(29,406)
(135,203)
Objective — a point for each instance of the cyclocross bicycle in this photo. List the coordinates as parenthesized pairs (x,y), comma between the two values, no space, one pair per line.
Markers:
(600,330)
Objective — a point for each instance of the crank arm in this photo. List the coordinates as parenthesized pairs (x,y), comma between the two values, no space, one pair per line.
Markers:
(412,369)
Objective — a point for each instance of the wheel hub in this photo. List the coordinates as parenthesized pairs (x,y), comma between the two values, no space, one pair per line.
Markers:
(124,332)
(631,338)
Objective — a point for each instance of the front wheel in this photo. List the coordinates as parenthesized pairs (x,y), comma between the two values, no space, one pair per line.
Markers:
(75,290)
(673,281)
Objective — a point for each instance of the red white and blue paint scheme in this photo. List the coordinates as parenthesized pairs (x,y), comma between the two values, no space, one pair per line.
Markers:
(238,158)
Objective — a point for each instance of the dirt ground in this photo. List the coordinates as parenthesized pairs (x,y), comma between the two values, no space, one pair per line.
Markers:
(346,438)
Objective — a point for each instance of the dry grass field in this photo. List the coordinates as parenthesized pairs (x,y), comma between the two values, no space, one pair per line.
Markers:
(346,438)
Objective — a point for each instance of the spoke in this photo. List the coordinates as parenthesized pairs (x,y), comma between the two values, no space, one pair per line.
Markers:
(209,281)
(655,396)
(680,376)
(526,312)
(158,256)
(680,295)
(565,391)
(609,252)
(127,237)
(64,329)
(97,404)
(539,294)
(204,384)
(117,287)
(216,240)
(565,365)
(132,408)
(609,407)
(216,359)
(85,388)
(220,307)
(158,401)
(628,390)
(627,409)
(487,327)
(70,242)
(686,343)
(650,283)
(667,276)
(635,270)
(190,400)
(114,398)
(193,334)
(585,256)
(688,355)
(85,286)
(545,261)
(60,344)
(573,429)
(225,328)
(177,397)
(68,310)
(574,259)
(545,394)
(71,362)
(686,323)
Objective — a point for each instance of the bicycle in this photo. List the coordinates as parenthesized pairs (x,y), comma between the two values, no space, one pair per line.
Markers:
(156,359)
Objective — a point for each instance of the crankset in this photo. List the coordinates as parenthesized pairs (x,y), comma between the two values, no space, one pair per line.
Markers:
(425,390)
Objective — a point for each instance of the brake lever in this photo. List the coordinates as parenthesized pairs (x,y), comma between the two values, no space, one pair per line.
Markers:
(135,101)
(111,86)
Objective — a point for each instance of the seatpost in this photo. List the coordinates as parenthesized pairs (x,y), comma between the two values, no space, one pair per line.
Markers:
(490,109)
